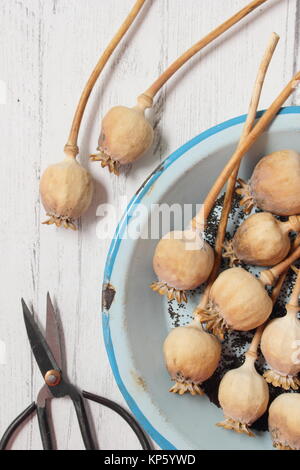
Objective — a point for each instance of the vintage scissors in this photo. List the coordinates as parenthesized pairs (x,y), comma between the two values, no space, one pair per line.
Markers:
(48,355)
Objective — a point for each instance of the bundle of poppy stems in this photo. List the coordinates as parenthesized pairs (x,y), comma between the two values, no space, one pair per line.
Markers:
(234,299)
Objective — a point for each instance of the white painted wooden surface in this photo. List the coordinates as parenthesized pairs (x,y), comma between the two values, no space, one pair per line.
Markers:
(48,48)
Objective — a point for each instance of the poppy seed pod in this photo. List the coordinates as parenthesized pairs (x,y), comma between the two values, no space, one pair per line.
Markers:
(244,396)
(125,135)
(284,421)
(261,240)
(182,261)
(66,190)
(237,301)
(274,185)
(279,345)
(191,356)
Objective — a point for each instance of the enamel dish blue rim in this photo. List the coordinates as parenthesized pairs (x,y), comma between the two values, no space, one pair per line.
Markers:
(112,260)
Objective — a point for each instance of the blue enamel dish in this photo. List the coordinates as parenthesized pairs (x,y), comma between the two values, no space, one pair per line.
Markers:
(136,320)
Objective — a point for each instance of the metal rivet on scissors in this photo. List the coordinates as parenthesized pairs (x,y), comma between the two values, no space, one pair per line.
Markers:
(48,355)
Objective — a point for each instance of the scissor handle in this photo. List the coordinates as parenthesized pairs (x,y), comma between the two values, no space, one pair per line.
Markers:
(139,432)
(43,425)
(85,429)
(83,420)
(42,414)
(16,424)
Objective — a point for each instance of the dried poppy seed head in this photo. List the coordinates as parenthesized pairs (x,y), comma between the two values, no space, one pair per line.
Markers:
(125,136)
(261,240)
(274,185)
(243,396)
(284,421)
(180,263)
(191,357)
(66,190)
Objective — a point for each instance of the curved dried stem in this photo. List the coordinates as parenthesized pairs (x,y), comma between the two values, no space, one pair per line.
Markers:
(71,148)
(173,68)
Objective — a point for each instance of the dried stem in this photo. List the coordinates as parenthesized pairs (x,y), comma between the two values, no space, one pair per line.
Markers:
(278,287)
(264,65)
(71,148)
(269,276)
(172,69)
(199,221)
(252,351)
(294,299)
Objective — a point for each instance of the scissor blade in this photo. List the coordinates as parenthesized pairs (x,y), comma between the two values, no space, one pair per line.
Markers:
(43,395)
(52,332)
(39,346)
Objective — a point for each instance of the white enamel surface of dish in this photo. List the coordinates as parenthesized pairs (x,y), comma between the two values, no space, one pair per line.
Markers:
(137,321)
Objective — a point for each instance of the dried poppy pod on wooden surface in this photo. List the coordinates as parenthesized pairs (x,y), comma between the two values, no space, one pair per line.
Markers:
(182,261)
(67,188)
(274,185)
(66,191)
(125,136)
(261,240)
(284,421)
(191,356)
(280,346)
(125,132)
(244,393)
